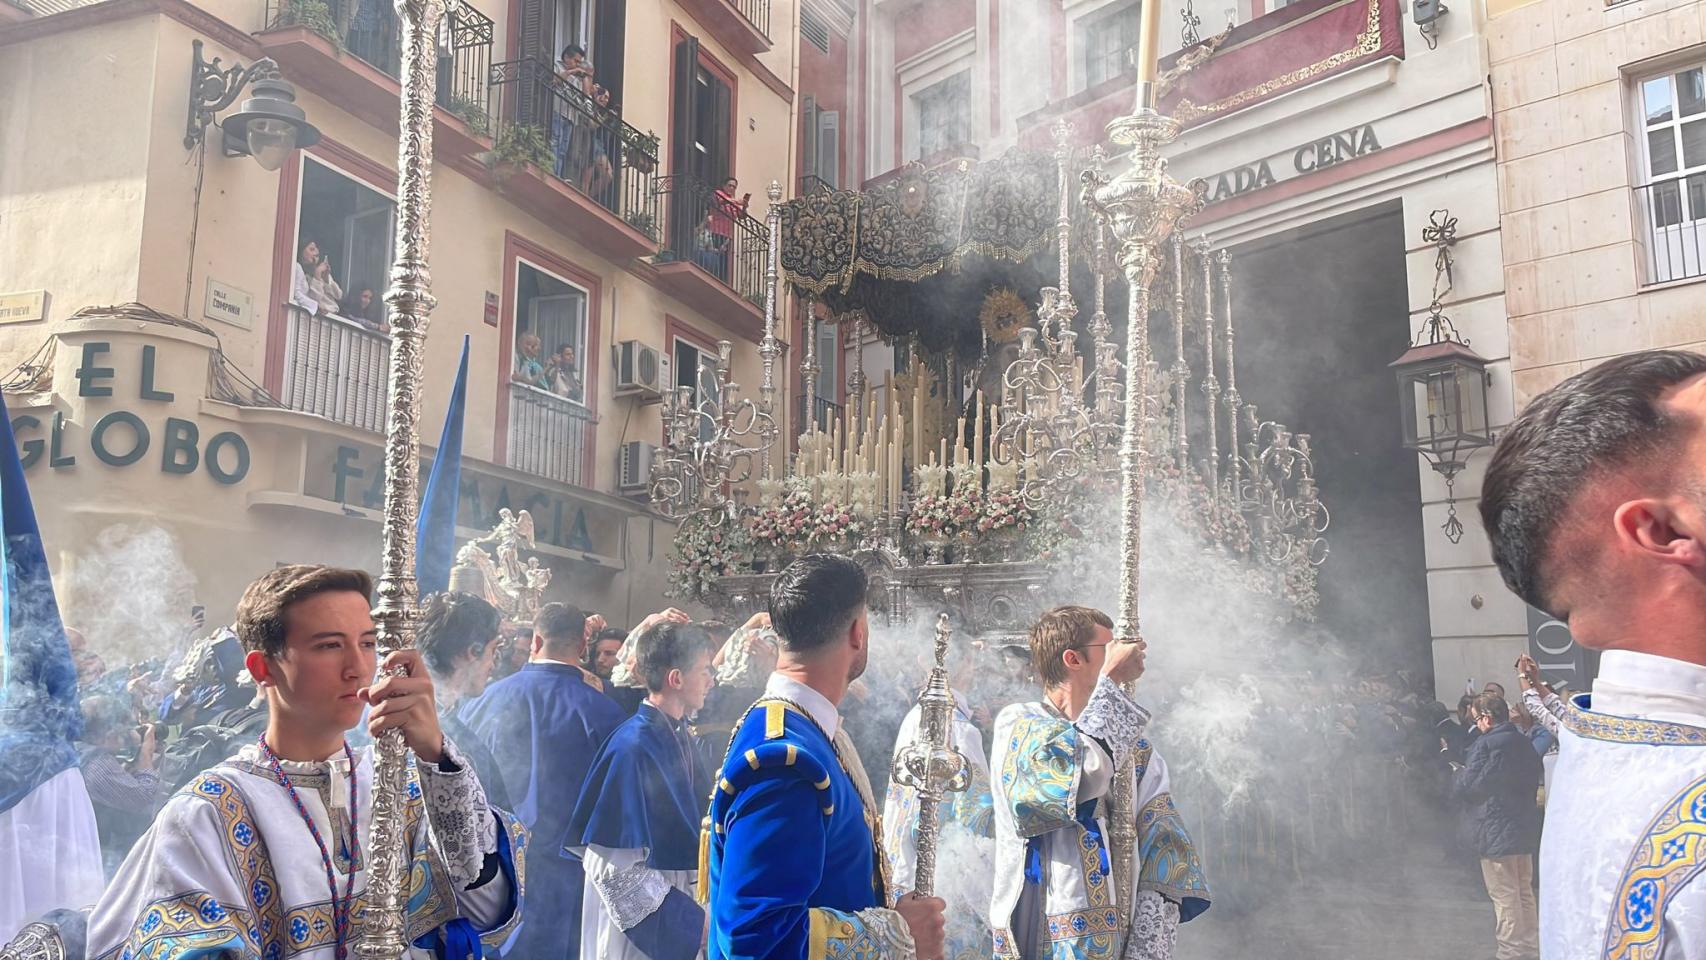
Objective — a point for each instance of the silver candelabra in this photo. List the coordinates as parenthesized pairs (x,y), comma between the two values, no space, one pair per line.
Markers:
(930,765)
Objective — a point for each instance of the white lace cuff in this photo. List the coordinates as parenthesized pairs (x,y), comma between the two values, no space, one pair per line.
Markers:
(1154,928)
(632,894)
(462,823)
(1114,718)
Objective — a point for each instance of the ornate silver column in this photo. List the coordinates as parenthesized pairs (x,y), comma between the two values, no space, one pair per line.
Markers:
(856,384)
(1181,370)
(411,302)
(1140,208)
(929,764)
(809,366)
(770,348)
(1234,403)
(1210,385)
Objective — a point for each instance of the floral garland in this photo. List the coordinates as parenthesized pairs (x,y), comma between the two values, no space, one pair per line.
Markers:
(789,521)
(938,515)
(1004,510)
(705,553)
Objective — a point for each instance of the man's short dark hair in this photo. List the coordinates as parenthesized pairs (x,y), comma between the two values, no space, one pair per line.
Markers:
(262,614)
(1604,419)
(669,646)
(560,623)
(573,48)
(1492,705)
(610,633)
(452,624)
(814,599)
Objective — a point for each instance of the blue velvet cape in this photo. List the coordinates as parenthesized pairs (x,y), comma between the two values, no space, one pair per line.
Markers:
(647,790)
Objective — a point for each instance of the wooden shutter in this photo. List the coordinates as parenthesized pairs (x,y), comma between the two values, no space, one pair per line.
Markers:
(828,141)
(532,42)
(808,135)
(686,104)
(722,131)
(609,31)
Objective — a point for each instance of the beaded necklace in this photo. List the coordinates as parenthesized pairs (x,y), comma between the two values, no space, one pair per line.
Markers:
(352,849)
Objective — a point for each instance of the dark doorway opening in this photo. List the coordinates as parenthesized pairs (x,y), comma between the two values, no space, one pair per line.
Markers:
(1320,311)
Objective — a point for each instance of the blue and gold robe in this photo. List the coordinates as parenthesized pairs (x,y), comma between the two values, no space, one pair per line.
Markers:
(230,870)
(794,867)
(1055,893)
(965,844)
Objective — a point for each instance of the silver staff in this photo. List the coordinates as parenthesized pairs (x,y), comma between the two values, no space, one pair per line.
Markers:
(411,302)
(1140,207)
(929,764)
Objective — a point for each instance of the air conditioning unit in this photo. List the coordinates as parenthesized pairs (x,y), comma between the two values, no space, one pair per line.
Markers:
(634,472)
(639,372)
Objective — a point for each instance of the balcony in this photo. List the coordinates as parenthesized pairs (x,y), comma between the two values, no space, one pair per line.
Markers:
(336,368)
(574,162)
(811,183)
(741,25)
(827,410)
(349,52)
(1673,218)
(548,435)
(713,255)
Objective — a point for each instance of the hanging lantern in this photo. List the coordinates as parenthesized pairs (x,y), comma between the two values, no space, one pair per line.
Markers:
(1442,398)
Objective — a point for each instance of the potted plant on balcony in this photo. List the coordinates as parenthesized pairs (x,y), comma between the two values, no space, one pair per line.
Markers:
(470,111)
(518,145)
(313,14)
(643,152)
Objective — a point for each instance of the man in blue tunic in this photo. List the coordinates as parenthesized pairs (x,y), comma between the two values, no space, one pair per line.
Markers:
(637,822)
(795,867)
(543,724)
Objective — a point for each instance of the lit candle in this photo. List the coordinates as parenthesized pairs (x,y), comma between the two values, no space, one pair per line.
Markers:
(917,421)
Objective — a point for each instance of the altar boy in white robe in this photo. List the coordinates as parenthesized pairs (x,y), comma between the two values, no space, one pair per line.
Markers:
(265,855)
(1054,762)
(970,811)
(637,823)
(1595,505)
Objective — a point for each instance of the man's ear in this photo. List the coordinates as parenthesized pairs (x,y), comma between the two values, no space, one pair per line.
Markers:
(859,633)
(1072,658)
(536,646)
(259,668)
(1657,529)
(675,681)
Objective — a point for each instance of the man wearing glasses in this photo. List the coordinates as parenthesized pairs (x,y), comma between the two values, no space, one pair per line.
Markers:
(1055,894)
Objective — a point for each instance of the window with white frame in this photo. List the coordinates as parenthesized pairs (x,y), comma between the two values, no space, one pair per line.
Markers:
(550,333)
(696,369)
(1672,193)
(944,114)
(1105,41)
(343,251)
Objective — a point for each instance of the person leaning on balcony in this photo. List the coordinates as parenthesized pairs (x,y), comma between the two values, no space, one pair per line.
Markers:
(326,291)
(599,172)
(364,307)
(529,369)
(301,294)
(565,379)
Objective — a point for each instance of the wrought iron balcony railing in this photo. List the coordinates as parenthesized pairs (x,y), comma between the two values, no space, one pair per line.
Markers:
(826,409)
(547,434)
(369,30)
(551,122)
(812,183)
(336,368)
(714,231)
(1673,214)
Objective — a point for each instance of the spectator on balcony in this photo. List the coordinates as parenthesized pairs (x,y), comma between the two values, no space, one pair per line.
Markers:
(574,72)
(301,295)
(725,210)
(529,368)
(364,307)
(600,173)
(565,377)
(326,291)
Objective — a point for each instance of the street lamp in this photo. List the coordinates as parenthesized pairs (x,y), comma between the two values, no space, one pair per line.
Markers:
(1442,383)
(268,126)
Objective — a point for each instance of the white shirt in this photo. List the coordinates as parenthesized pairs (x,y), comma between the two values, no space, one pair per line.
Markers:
(815,704)
(1650,687)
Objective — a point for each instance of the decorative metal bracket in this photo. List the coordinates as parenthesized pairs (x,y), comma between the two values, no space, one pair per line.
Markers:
(213,87)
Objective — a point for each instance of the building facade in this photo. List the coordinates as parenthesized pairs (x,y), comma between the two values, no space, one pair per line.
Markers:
(580,248)
(1331,136)
(1601,127)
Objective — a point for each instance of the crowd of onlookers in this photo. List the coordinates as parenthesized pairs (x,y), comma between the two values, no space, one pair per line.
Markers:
(313,288)
(556,373)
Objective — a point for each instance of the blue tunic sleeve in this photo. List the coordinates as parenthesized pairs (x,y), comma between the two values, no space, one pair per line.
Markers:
(774,860)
